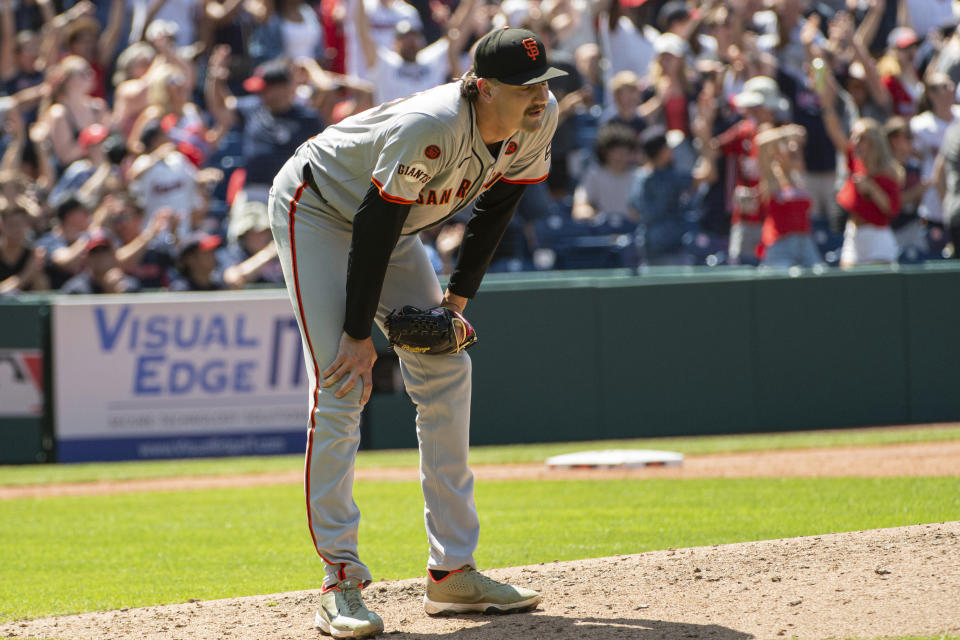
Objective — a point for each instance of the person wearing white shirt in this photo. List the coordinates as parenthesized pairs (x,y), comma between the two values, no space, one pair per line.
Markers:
(163,177)
(928,129)
(409,66)
(302,34)
(383,17)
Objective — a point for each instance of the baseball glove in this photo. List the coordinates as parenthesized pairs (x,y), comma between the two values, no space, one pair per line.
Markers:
(435,331)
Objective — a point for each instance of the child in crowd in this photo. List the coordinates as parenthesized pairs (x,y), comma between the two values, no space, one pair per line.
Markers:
(606,186)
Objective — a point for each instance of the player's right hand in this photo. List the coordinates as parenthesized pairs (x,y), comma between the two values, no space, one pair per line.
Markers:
(354,361)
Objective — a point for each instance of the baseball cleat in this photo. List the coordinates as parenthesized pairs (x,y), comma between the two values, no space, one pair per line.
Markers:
(342,613)
(466,590)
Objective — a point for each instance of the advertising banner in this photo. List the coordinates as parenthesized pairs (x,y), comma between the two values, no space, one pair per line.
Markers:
(177,375)
(21,383)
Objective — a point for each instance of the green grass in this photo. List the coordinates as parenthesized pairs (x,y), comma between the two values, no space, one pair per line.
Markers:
(67,555)
(42,474)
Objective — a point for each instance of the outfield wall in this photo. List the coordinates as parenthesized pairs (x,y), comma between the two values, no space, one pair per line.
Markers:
(562,356)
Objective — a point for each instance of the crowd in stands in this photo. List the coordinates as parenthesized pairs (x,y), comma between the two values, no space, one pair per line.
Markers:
(139,138)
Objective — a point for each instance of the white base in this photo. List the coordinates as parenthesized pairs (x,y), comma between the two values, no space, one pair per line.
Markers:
(616,459)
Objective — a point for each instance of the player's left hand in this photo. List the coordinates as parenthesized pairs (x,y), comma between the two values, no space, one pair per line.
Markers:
(354,361)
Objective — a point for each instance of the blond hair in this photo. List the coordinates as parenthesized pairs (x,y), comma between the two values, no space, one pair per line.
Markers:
(879,160)
(158,93)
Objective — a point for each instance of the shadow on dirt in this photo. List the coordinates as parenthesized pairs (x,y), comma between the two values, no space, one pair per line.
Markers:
(542,627)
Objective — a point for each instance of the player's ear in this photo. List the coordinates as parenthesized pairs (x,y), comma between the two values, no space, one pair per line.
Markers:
(487,89)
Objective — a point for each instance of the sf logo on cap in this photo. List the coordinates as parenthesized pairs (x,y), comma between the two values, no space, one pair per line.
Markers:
(531,46)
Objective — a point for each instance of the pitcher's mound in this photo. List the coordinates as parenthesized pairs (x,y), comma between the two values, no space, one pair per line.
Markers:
(870,584)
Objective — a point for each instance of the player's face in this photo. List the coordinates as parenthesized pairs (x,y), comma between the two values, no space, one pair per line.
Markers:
(522,107)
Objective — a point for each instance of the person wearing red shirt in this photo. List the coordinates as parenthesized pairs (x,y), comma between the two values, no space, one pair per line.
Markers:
(786,236)
(760,100)
(871,194)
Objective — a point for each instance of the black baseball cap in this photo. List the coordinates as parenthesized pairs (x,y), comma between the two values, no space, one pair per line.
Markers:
(513,56)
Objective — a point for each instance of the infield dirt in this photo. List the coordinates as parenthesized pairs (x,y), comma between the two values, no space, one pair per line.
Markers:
(870,584)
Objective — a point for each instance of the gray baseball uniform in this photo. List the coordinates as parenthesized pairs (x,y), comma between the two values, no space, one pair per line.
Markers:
(424,152)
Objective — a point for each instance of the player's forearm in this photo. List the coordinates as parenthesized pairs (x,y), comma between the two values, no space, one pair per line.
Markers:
(376,229)
(491,216)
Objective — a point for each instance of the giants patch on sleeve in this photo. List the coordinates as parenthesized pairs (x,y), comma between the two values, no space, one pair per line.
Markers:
(432,152)
(415,172)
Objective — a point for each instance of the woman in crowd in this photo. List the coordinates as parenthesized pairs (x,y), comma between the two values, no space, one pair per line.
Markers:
(898,69)
(72,108)
(870,196)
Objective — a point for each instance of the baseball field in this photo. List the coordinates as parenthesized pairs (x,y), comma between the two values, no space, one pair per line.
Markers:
(843,534)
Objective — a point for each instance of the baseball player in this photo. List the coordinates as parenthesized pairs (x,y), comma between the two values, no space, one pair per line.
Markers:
(345,212)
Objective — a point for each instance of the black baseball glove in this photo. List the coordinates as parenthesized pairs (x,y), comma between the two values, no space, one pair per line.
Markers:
(435,331)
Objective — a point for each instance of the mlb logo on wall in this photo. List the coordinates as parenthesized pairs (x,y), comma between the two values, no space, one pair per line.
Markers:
(21,383)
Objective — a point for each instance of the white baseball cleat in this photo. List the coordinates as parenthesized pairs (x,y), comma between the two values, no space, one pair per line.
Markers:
(342,613)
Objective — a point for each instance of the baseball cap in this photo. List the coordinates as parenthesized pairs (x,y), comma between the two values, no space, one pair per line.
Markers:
(199,240)
(902,37)
(670,43)
(92,134)
(513,56)
(761,91)
(272,72)
(97,240)
(252,216)
(162,28)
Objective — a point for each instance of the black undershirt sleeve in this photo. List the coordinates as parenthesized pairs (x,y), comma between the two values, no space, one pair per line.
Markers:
(491,215)
(376,230)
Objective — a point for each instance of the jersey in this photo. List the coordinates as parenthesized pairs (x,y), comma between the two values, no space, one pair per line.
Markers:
(425,151)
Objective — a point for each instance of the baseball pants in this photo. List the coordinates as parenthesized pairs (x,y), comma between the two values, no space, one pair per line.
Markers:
(313,243)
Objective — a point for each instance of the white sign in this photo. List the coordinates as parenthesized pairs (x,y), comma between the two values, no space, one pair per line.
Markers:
(199,374)
(21,383)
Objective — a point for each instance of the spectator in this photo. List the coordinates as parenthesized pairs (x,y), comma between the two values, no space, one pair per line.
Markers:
(20,63)
(409,66)
(170,103)
(948,59)
(898,69)
(909,228)
(572,22)
(197,264)
(605,187)
(162,177)
(66,244)
(101,273)
(761,100)
(289,28)
(132,83)
(625,87)
(21,264)
(870,196)
(947,180)
(671,95)
(82,37)
(251,252)
(786,236)
(660,200)
(383,17)
(74,176)
(625,43)
(937,111)
(273,123)
(146,251)
(72,108)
